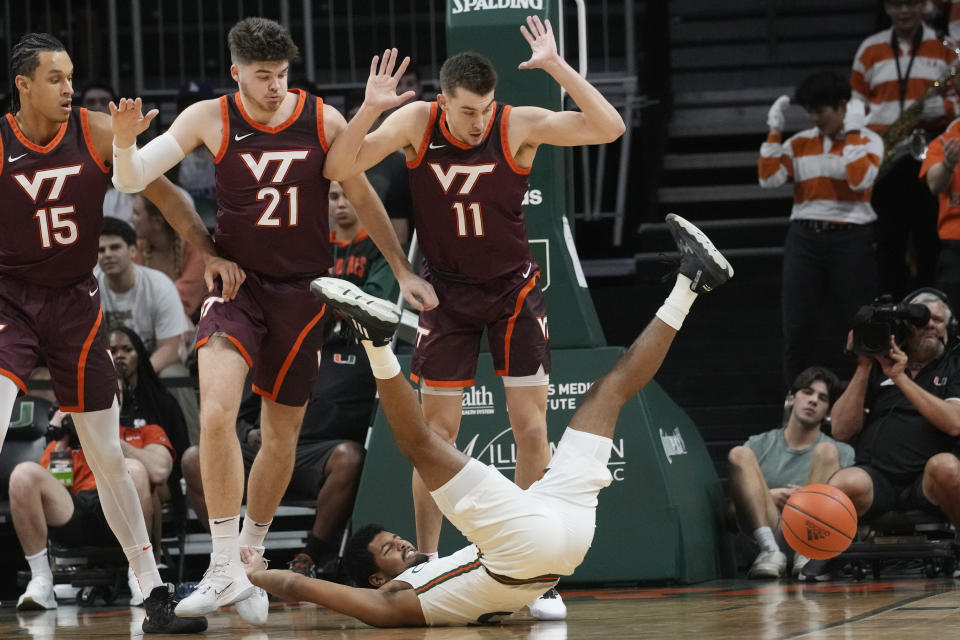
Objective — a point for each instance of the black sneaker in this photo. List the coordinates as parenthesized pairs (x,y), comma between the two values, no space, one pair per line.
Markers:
(372,318)
(303,564)
(160,618)
(699,259)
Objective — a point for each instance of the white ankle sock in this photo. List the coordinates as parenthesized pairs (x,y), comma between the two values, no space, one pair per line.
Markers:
(433,555)
(224,535)
(677,305)
(383,361)
(39,564)
(764,538)
(253,532)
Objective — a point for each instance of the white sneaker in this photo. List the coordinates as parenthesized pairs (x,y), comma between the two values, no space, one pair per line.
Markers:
(136,595)
(38,595)
(224,583)
(769,564)
(549,606)
(799,562)
(254,608)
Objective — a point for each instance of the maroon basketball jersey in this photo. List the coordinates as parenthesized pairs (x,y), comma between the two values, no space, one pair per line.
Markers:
(466,201)
(52,199)
(271,193)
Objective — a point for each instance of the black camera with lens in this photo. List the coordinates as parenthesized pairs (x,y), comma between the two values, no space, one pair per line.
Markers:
(66,428)
(875,323)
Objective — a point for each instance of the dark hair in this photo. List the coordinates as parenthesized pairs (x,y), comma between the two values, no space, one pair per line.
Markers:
(150,400)
(358,561)
(822,89)
(260,40)
(469,70)
(25,58)
(117,227)
(811,374)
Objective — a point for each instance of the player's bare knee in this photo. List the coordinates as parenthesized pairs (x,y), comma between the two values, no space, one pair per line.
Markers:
(530,435)
(854,482)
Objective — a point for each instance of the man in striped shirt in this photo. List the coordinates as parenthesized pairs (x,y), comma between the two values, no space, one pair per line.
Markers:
(828,263)
(891,71)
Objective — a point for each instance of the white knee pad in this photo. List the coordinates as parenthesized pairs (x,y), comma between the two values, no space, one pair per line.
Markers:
(539,379)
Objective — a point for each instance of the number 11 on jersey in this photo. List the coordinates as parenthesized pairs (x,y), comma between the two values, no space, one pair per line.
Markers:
(463,219)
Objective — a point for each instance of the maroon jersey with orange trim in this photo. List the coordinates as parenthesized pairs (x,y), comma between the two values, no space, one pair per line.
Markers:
(271,194)
(52,202)
(466,202)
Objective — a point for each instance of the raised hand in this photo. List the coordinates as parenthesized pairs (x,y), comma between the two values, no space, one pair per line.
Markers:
(128,121)
(539,35)
(381,92)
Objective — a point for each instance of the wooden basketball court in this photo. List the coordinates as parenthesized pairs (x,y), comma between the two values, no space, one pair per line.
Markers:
(909,608)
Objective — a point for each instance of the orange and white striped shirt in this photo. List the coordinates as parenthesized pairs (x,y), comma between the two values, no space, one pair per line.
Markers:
(833,179)
(874,78)
(948,220)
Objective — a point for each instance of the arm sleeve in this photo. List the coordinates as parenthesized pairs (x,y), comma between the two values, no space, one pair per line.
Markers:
(934,156)
(775,165)
(861,156)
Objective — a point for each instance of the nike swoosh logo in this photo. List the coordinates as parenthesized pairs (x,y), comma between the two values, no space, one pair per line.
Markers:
(12,159)
(94,292)
(146,548)
(527,272)
(436,146)
(217,592)
(222,521)
(238,137)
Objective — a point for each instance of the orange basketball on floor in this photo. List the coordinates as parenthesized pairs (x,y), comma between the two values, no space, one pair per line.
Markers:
(819,521)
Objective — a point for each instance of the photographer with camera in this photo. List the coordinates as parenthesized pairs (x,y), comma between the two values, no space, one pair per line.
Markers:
(903,409)
(57,498)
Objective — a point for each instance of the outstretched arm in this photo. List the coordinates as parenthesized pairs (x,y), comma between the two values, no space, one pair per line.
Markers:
(597,121)
(376,607)
(417,291)
(354,150)
(178,212)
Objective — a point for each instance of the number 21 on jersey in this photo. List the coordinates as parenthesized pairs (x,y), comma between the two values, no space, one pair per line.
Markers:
(271,217)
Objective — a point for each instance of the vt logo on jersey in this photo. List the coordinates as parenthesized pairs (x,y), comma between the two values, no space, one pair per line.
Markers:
(285,158)
(470,172)
(58,176)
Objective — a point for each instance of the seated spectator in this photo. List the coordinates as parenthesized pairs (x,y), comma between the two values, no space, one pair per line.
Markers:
(939,169)
(767,469)
(829,269)
(145,300)
(57,499)
(159,247)
(903,409)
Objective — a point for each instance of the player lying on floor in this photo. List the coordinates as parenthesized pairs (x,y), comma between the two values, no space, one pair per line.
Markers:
(529,538)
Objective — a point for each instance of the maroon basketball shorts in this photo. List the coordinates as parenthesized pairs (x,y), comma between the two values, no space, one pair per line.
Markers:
(64,327)
(276,326)
(513,311)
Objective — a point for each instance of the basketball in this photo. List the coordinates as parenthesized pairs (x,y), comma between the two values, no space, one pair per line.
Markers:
(819,521)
